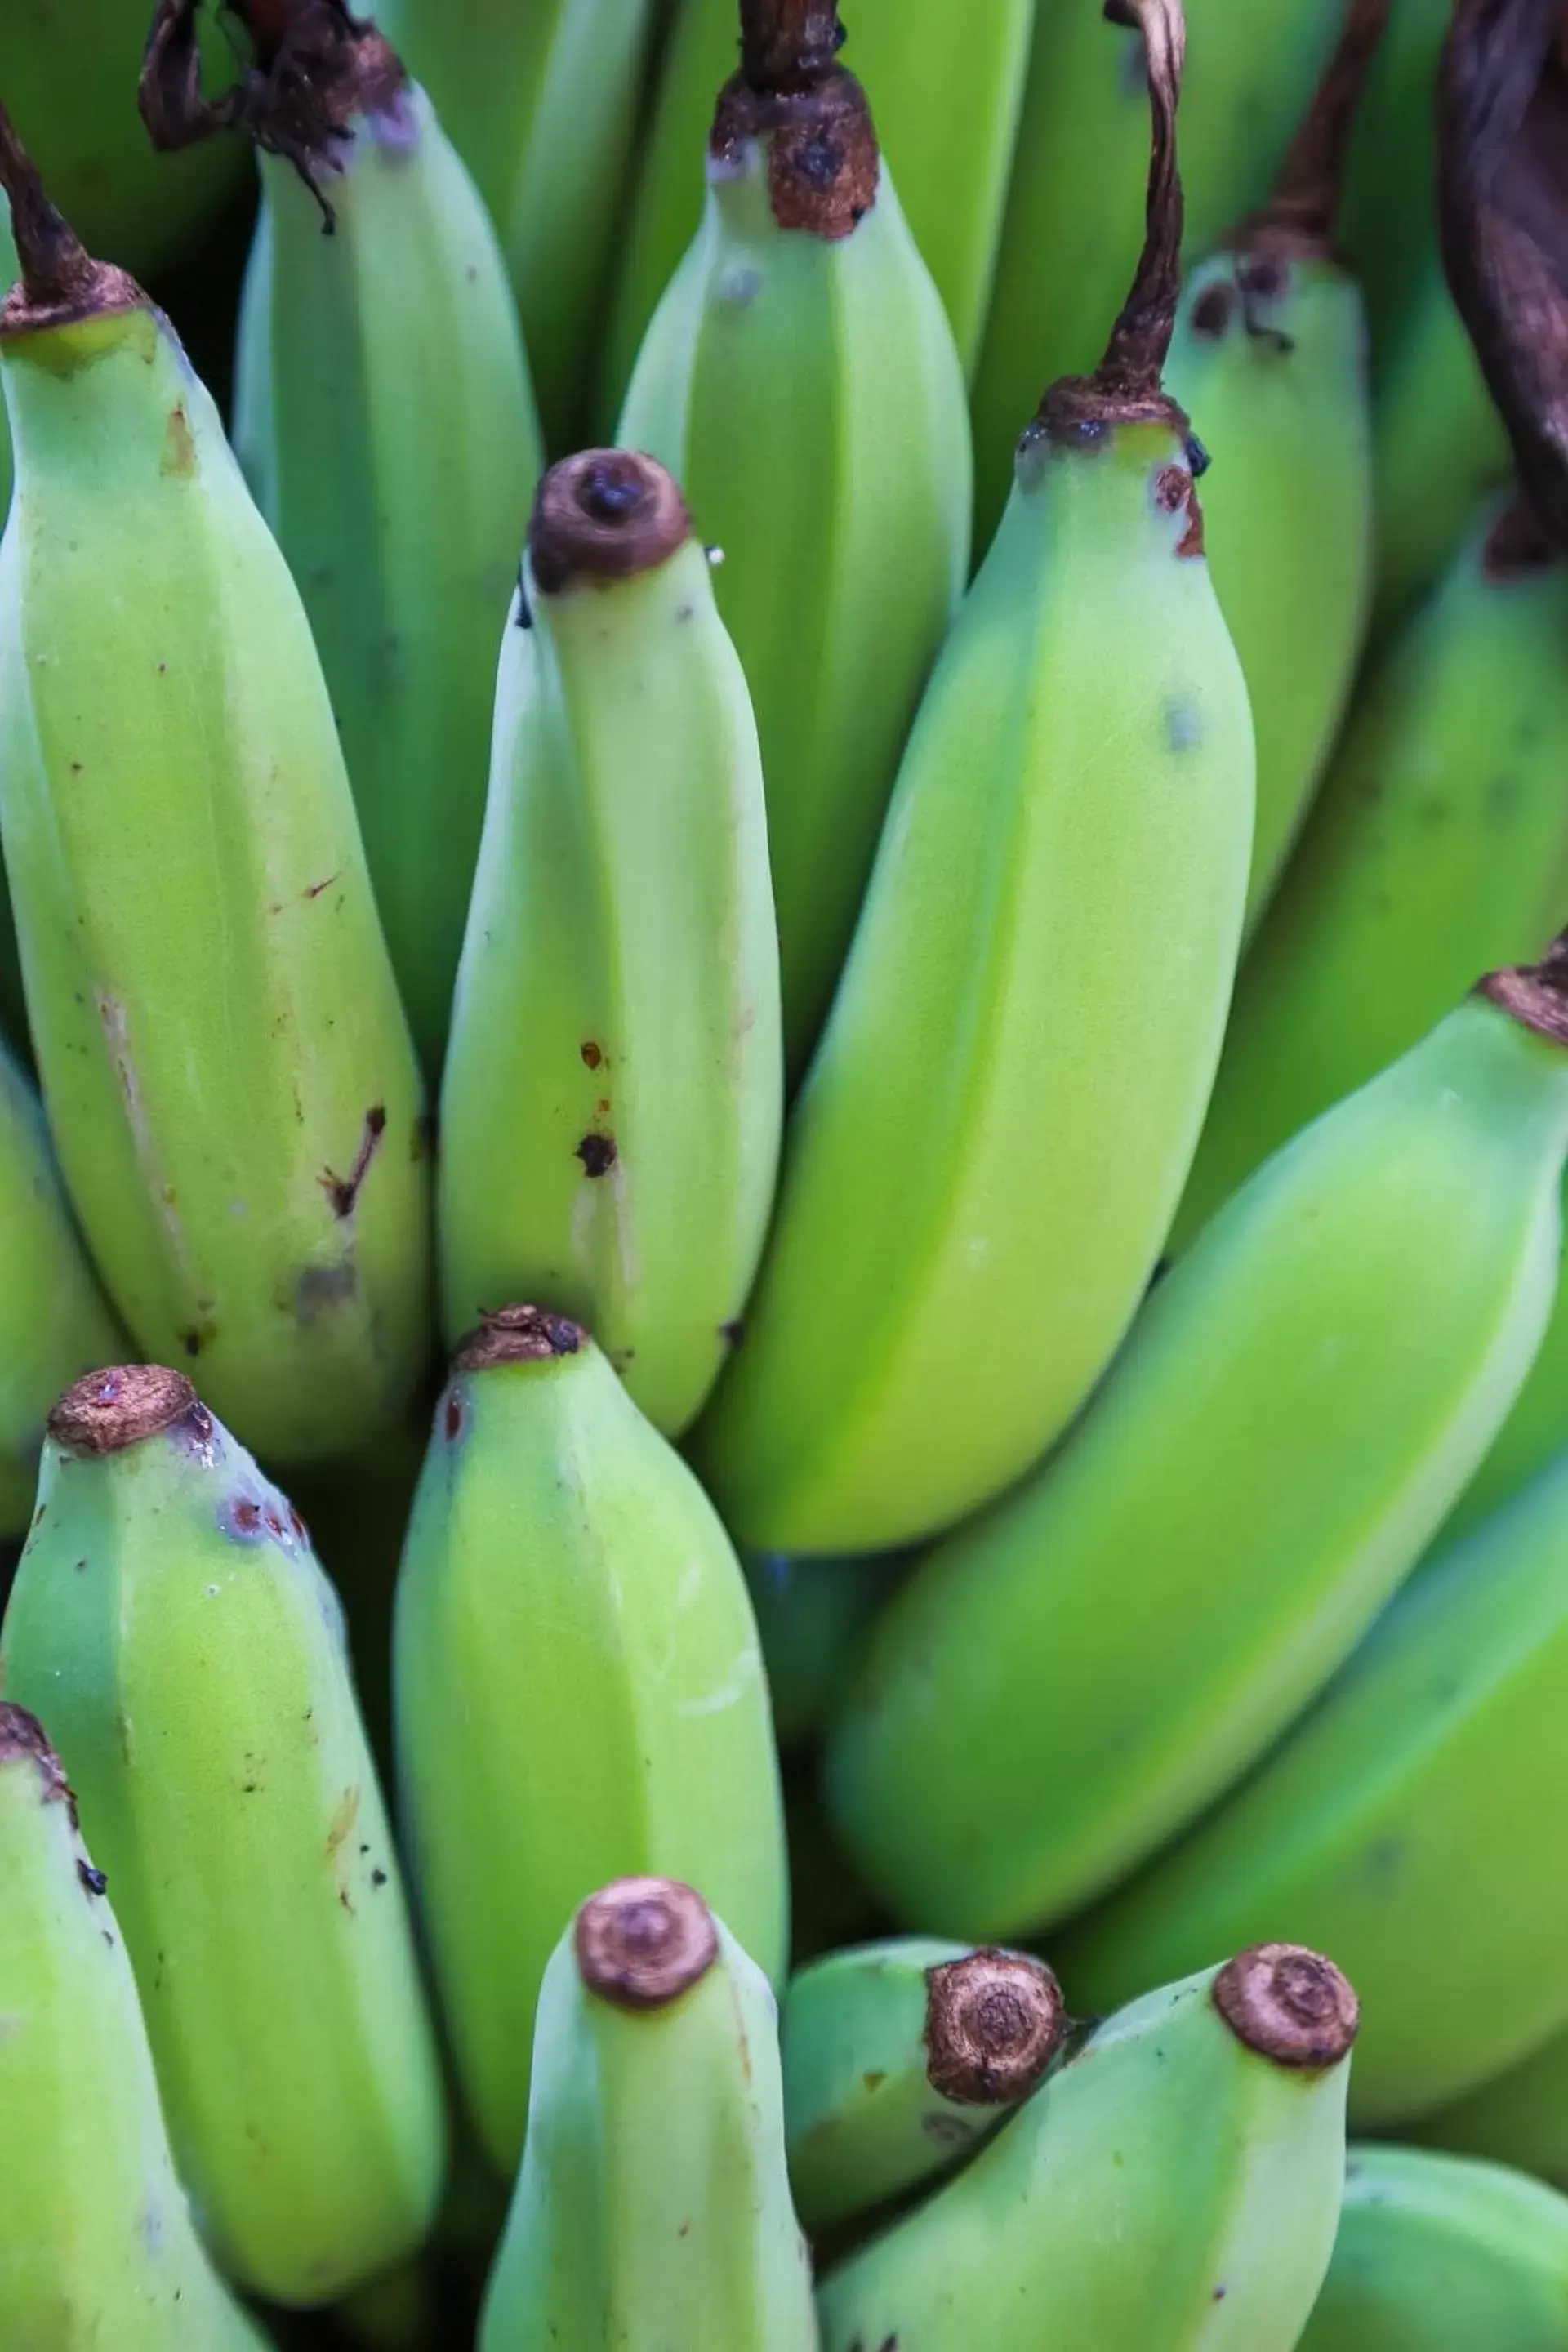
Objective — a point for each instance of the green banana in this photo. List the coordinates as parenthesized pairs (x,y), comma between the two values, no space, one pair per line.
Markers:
(1299,1406)
(1069,235)
(569,1602)
(1390,209)
(384,422)
(613,1095)
(653,2207)
(53,1321)
(1175,2185)
(812,1618)
(1438,848)
(1534,1433)
(226,1065)
(948,86)
(1520,2117)
(1073,814)
(96,2242)
(1438,2255)
(899,2059)
(169,1614)
(540,101)
(1269,360)
(1388,1826)
(799,379)
(8,272)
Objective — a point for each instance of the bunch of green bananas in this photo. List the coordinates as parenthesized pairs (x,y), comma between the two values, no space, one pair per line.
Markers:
(785,841)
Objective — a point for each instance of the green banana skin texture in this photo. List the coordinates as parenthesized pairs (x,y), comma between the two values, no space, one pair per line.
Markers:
(8,272)
(385,423)
(1074,217)
(1073,813)
(540,102)
(226,1065)
(1438,2255)
(1276,386)
(813,1617)
(1437,850)
(1389,1829)
(636,1738)
(805,391)
(614,1097)
(1521,2118)
(947,87)
(1535,1431)
(653,2207)
(865,2120)
(54,1323)
(97,2247)
(1062,1686)
(170,1614)
(1166,2135)
(1389,207)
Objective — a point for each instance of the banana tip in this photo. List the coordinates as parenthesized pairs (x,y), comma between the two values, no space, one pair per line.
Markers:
(517,1334)
(995,2021)
(605,514)
(643,1942)
(1289,2004)
(105,1412)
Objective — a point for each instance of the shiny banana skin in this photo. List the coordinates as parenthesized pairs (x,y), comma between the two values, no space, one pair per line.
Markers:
(899,2059)
(53,1320)
(947,85)
(1521,2118)
(540,101)
(225,1062)
(1175,2184)
(385,423)
(1040,861)
(799,379)
(1434,2255)
(1438,848)
(1071,231)
(635,1737)
(1534,1433)
(1063,1685)
(1392,1826)
(653,2207)
(169,1614)
(97,2247)
(614,1097)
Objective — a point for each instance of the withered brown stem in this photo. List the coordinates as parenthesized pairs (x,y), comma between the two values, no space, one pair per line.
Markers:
(517,1334)
(104,1413)
(605,514)
(786,43)
(824,164)
(1299,214)
(995,2021)
(61,281)
(1289,2004)
(643,1942)
(1535,993)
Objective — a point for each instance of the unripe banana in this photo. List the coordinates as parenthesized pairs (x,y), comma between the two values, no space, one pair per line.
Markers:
(1270,360)
(1389,1826)
(1390,211)
(385,424)
(614,1096)
(1438,2255)
(540,98)
(97,2248)
(899,2059)
(53,1320)
(1534,1433)
(1299,1406)
(653,2208)
(225,1062)
(168,1612)
(799,379)
(579,1691)
(8,269)
(813,1616)
(1521,2118)
(1438,848)
(1175,2184)
(997,1125)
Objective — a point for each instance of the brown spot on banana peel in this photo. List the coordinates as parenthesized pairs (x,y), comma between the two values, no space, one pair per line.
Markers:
(641,1943)
(995,2021)
(824,164)
(344,1191)
(1517,544)
(22,1739)
(1535,994)
(602,516)
(123,1405)
(1297,223)
(597,1153)
(179,445)
(516,1335)
(1290,2005)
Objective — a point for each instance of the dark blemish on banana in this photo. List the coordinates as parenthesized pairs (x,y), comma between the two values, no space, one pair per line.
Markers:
(948,2131)
(1212,310)
(95,1881)
(597,1153)
(321,1288)
(1184,726)
(378,1878)
(1196,456)
(524,609)
(179,447)
(1173,488)
(452,1417)
(740,288)
(733,1333)
(192,1342)
(342,1191)
(1191,542)
(591,1054)
(314,889)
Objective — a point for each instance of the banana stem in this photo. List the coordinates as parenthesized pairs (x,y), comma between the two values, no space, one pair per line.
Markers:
(787,43)
(1135,355)
(1306,198)
(60,281)
(1537,993)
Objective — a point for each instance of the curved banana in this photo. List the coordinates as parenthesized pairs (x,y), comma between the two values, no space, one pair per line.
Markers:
(169,1614)
(813,1616)
(1438,848)
(899,2059)
(1534,1433)
(1299,1405)
(540,102)
(994,1133)
(568,1598)
(385,424)
(799,379)
(96,2242)
(1176,2182)
(1438,2255)
(225,1062)
(1390,208)
(947,85)
(613,1095)
(1268,358)
(653,2207)
(1071,231)
(1392,1825)
(1520,2117)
